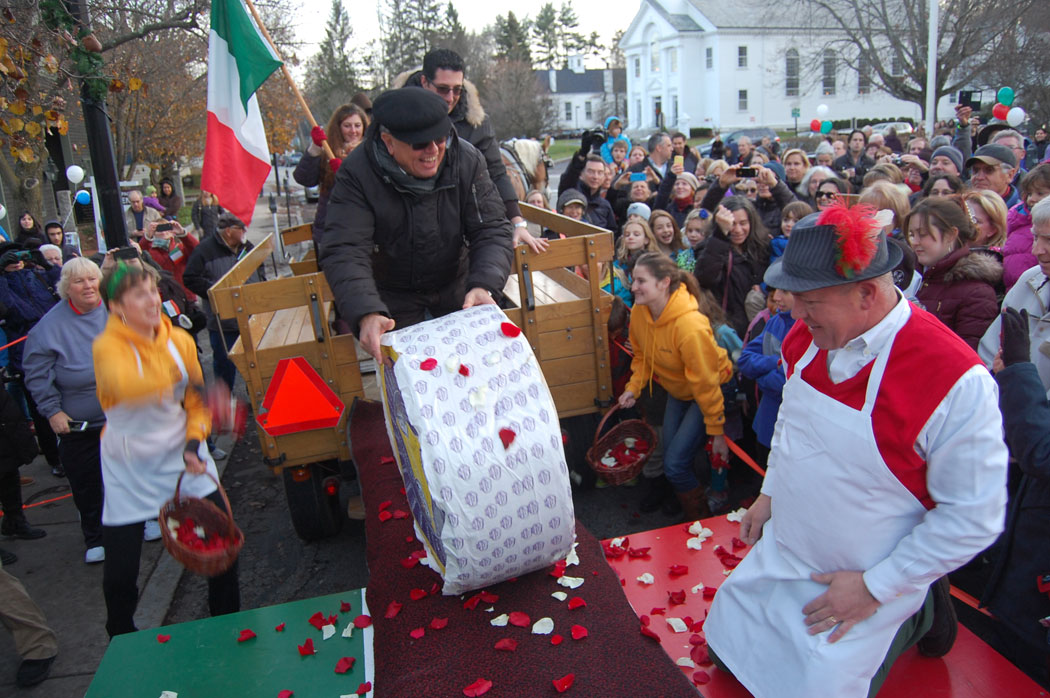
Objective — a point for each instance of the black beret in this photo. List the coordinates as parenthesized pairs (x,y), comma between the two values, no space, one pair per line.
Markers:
(412,115)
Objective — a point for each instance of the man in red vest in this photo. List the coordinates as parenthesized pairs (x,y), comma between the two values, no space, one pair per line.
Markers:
(887,471)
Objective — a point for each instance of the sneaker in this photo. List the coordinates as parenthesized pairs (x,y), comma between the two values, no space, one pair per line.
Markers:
(7,557)
(33,671)
(151,531)
(941,635)
(218,454)
(96,554)
(20,528)
(58,470)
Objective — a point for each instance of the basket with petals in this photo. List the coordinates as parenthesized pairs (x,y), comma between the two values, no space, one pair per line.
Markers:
(198,534)
(620,454)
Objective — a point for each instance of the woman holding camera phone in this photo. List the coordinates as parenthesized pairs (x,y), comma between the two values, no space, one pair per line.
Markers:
(170,247)
(61,377)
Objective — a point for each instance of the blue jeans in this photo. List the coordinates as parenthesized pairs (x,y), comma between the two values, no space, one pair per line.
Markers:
(684,431)
(222,368)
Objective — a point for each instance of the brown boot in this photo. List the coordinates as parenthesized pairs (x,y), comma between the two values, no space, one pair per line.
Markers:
(694,507)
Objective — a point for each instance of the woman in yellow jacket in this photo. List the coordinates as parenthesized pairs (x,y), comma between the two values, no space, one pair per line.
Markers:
(673,341)
(150,386)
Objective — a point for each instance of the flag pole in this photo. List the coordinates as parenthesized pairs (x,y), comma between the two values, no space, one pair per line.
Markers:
(288,76)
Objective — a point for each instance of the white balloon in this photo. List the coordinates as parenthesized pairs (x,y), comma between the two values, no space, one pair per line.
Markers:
(1016,116)
(3,210)
(75,174)
(822,110)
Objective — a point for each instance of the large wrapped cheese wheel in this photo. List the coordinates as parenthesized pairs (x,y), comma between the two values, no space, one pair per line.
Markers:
(477,440)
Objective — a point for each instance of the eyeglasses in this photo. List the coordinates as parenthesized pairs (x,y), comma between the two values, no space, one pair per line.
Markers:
(445,89)
(826,195)
(438,142)
(747,190)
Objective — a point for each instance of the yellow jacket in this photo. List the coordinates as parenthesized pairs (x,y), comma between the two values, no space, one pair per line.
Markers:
(119,381)
(680,349)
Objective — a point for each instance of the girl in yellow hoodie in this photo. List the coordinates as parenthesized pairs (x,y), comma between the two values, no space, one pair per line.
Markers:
(150,386)
(673,341)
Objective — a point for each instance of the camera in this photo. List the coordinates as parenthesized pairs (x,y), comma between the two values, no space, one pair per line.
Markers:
(896,160)
(747,172)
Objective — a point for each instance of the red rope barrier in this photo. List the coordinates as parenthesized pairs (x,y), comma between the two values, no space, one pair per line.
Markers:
(45,501)
(742,455)
(11,344)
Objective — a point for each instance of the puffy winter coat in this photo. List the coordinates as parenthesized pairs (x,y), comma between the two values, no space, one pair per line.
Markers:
(27,294)
(381,235)
(729,275)
(960,291)
(1017,251)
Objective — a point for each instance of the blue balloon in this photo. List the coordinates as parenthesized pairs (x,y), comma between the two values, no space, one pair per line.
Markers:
(83,197)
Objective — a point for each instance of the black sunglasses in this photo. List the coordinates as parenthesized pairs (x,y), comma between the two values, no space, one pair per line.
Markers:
(423,146)
(826,195)
(445,89)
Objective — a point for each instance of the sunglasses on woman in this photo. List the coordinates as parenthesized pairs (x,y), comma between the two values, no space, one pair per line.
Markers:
(826,195)
(747,190)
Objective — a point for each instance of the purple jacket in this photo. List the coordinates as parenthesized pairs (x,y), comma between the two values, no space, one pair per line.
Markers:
(1017,252)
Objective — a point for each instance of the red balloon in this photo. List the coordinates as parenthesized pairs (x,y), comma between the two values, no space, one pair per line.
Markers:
(999,111)
(814,125)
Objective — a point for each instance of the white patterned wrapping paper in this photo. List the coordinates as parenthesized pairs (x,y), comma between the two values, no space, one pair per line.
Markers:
(484,512)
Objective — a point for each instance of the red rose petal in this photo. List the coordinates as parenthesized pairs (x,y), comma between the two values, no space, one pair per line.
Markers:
(559,569)
(478,688)
(409,562)
(385,515)
(344,606)
(333,619)
(658,611)
(697,639)
(697,626)
(519,619)
(417,594)
(489,597)
(506,644)
(679,570)
(507,437)
(364,688)
(246,634)
(418,554)
(579,632)
(564,683)
(438,623)
(163,638)
(464,370)
(344,665)
(434,588)
(638,552)
(576,602)
(643,619)
(649,633)
(307,648)
(362,621)
(286,694)
(509,329)
(676,598)
(385,505)
(280,628)
(700,678)
(386,459)
(472,603)
(392,610)
(400,514)
(417,633)
(738,544)
(428,364)
(700,655)
(317,620)
(556,639)
(410,539)
(709,593)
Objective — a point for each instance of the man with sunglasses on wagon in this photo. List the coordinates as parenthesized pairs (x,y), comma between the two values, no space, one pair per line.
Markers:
(415,224)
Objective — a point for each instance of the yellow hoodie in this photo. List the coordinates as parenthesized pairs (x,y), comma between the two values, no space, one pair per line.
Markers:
(118,381)
(680,349)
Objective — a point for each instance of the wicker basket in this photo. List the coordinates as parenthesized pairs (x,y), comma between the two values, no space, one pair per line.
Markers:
(209,563)
(632,428)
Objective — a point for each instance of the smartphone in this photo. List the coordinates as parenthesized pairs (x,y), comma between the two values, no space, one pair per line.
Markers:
(125,253)
(747,172)
(970,98)
(75,425)
(637,176)
(679,160)
(165,227)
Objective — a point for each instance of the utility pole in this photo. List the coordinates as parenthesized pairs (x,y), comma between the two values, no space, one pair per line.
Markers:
(931,69)
(100,145)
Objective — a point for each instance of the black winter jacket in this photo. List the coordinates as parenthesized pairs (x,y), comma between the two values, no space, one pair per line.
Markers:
(599,210)
(712,266)
(380,236)
(17,445)
(208,263)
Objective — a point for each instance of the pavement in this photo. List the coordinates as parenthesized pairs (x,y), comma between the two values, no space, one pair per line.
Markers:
(53,570)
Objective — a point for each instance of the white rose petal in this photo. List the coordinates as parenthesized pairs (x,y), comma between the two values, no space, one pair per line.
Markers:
(327,631)
(646,578)
(500,620)
(544,626)
(618,542)
(570,582)
(630,441)
(677,625)
(452,364)
(490,609)
(169,694)
(572,558)
(727,572)
(348,631)
(695,543)
(199,530)
(736,516)
(173,525)
(560,595)
(609,461)
(492,359)
(698,588)
(478,396)
(686,662)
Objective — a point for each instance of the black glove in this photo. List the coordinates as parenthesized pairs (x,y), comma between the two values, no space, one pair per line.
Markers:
(9,257)
(597,139)
(1016,343)
(585,142)
(38,259)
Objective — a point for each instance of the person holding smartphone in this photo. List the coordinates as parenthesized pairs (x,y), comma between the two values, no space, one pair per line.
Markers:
(60,375)
(170,246)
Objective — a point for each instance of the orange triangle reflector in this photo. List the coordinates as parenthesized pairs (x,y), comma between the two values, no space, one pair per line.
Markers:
(298,399)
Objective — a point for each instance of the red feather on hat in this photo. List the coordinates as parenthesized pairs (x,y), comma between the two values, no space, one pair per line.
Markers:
(856,236)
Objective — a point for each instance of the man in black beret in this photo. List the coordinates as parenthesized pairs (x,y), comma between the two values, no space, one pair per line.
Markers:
(415,224)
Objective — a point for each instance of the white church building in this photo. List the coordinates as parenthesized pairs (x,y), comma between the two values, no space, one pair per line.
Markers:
(731,64)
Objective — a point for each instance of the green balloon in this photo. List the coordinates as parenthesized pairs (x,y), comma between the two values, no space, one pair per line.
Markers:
(1005,96)
(825,126)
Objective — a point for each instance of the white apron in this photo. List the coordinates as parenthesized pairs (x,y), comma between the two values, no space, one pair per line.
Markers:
(835,506)
(141,450)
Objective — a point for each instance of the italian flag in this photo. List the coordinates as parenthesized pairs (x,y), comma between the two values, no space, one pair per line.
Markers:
(236,157)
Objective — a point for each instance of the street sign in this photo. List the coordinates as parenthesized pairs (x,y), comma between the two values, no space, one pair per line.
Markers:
(796,112)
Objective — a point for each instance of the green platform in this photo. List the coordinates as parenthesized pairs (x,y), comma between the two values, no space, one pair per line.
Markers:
(203,658)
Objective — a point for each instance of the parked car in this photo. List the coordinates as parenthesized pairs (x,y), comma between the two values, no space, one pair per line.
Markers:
(755,134)
(901,127)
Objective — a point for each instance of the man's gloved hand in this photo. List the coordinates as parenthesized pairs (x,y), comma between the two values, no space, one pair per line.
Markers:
(1016,343)
(585,142)
(317,135)
(334,164)
(9,257)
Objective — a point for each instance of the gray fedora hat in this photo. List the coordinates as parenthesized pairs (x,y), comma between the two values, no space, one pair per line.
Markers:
(811,259)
